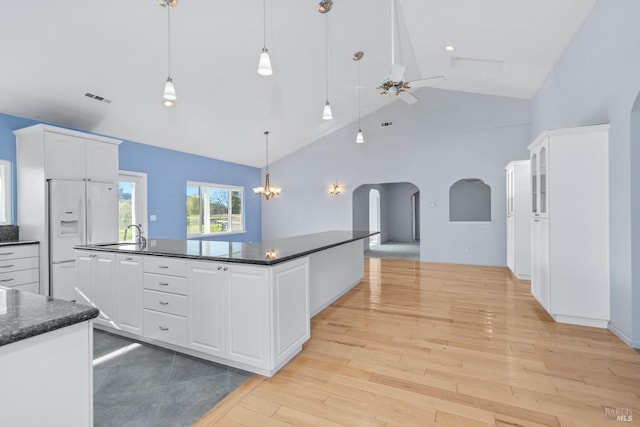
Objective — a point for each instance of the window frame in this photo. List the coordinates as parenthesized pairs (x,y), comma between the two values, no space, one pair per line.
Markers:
(141,198)
(6,191)
(227,187)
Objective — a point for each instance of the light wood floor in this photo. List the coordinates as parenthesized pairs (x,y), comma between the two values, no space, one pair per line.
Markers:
(421,344)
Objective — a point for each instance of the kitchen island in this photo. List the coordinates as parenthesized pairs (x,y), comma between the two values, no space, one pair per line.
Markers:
(246,305)
(46,354)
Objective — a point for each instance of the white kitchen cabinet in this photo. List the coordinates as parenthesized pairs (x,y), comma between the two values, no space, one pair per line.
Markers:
(208,285)
(518,218)
(79,157)
(129,283)
(248,324)
(19,267)
(95,284)
(570,224)
(165,302)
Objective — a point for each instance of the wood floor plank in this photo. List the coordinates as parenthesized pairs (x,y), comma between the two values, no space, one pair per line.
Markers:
(425,344)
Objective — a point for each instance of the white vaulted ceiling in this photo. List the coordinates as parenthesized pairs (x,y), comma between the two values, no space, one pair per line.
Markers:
(53,52)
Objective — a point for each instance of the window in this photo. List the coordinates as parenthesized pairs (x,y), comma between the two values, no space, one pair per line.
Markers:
(5,192)
(470,201)
(214,209)
(132,203)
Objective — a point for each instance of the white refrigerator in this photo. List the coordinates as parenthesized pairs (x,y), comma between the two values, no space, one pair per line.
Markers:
(79,212)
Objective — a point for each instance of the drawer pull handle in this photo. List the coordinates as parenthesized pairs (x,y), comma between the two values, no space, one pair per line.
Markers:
(163,266)
(162,328)
(6,266)
(7,253)
(128,259)
(163,303)
(163,283)
(6,280)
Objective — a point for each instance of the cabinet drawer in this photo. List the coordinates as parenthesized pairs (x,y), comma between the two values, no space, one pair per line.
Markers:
(17,264)
(165,327)
(162,283)
(29,287)
(18,251)
(166,303)
(165,265)
(15,278)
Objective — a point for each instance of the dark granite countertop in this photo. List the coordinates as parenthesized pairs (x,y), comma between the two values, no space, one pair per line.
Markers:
(260,253)
(20,242)
(24,314)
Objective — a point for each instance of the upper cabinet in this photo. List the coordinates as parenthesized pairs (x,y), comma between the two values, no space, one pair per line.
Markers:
(67,154)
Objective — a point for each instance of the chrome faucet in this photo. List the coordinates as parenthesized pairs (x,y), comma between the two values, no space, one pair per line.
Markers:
(141,241)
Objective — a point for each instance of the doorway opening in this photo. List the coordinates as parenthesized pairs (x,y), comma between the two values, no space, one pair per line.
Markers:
(393,210)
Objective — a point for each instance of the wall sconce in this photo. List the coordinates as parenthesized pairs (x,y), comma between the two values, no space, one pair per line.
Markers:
(335,189)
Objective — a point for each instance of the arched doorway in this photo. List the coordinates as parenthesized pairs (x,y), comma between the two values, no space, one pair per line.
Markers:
(393,209)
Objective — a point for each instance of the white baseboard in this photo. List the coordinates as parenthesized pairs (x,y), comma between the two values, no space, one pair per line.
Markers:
(581,321)
(624,337)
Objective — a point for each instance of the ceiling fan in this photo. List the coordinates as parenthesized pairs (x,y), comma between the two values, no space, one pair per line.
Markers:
(395,83)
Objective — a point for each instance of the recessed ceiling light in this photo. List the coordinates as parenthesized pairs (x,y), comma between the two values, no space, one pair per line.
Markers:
(449,48)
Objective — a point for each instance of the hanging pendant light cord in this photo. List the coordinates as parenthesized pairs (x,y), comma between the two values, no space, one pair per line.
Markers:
(264,24)
(169,38)
(326,53)
(266,133)
(359,89)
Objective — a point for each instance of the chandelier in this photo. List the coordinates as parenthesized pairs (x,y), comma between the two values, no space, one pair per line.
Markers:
(267,191)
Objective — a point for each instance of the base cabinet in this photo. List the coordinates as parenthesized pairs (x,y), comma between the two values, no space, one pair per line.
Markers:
(252,317)
(128,287)
(96,284)
(248,327)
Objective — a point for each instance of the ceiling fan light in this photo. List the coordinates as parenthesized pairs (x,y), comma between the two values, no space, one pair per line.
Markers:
(169,91)
(359,137)
(264,66)
(326,112)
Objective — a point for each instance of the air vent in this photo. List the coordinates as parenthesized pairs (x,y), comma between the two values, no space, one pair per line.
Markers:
(385,124)
(97,98)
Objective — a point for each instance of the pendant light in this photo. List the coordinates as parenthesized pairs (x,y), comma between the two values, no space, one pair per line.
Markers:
(357,57)
(267,191)
(169,95)
(326,112)
(264,65)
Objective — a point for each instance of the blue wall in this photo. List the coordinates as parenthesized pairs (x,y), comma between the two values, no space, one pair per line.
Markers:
(167,174)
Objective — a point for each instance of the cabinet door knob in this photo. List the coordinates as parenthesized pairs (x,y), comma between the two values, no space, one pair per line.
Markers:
(225,269)
(219,268)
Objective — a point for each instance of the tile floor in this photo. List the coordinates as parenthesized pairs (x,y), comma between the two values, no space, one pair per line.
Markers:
(405,250)
(141,385)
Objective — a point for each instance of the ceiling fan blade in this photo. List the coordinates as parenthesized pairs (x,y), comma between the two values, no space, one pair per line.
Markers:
(426,82)
(407,97)
(397,73)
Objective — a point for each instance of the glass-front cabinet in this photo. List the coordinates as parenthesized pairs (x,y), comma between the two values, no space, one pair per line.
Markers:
(539,181)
